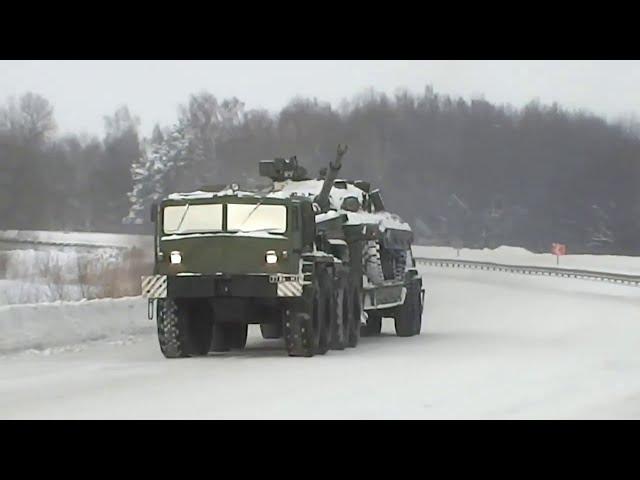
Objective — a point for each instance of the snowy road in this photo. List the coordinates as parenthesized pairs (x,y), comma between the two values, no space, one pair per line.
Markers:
(493,346)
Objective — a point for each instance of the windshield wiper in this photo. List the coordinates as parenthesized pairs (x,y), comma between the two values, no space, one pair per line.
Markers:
(252,212)
(182,218)
(267,229)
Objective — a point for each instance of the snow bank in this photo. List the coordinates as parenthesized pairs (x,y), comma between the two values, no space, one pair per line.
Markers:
(45,325)
(520,256)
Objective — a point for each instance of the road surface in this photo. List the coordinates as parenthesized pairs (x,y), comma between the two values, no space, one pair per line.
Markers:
(493,345)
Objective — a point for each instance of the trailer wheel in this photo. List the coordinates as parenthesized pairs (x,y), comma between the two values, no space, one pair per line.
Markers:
(184,328)
(227,336)
(271,331)
(374,325)
(237,335)
(408,319)
(220,341)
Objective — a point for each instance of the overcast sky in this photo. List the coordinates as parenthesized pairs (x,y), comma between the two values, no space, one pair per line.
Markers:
(83,91)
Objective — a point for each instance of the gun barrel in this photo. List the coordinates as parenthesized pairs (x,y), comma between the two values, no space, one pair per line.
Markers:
(322,199)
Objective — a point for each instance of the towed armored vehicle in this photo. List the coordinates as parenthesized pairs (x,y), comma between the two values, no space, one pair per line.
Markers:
(313,261)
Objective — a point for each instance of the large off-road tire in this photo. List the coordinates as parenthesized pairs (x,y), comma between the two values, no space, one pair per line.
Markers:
(271,331)
(373,326)
(220,341)
(408,319)
(419,308)
(308,332)
(323,312)
(299,337)
(341,309)
(184,327)
(355,316)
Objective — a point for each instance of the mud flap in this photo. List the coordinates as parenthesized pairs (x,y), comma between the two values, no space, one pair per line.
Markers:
(154,286)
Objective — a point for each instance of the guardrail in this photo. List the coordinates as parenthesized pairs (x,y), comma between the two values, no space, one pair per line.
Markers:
(14,239)
(531,270)
(91,240)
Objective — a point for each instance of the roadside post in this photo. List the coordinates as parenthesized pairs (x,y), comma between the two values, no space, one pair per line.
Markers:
(558,249)
(457,244)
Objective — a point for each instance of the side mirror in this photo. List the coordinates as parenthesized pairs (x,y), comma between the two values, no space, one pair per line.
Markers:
(376,200)
(154,212)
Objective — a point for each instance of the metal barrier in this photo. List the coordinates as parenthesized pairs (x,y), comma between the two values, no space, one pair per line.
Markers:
(620,278)
(26,239)
(532,270)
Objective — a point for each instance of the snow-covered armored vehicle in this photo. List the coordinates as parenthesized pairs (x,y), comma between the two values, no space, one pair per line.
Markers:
(307,259)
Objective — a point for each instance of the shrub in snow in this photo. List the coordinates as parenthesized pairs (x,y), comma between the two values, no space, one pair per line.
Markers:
(33,276)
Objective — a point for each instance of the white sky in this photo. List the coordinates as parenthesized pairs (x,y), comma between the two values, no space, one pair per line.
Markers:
(83,91)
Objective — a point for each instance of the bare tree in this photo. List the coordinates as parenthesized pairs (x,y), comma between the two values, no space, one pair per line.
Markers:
(121,123)
(30,118)
(208,122)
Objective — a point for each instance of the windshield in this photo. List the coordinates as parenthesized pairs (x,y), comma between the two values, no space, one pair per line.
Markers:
(192,218)
(252,218)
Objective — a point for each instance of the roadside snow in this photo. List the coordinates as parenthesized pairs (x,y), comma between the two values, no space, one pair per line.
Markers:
(33,276)
(45,325)
(492,346)
(14,292)
(520,256)
(70,273)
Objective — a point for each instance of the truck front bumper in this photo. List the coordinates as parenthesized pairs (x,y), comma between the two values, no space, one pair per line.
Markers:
(185,286)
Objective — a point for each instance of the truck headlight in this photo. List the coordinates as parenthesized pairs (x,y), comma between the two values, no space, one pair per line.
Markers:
(271,256)
(176,257)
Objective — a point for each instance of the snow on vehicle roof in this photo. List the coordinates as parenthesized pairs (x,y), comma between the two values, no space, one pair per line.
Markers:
(330,215)
(311,188)
(286,189)
(383,219)
(199,194)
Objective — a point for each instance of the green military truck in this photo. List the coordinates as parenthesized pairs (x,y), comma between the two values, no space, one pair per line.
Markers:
(313,261)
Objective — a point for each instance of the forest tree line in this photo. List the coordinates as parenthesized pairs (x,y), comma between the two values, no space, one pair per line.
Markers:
(462,172)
